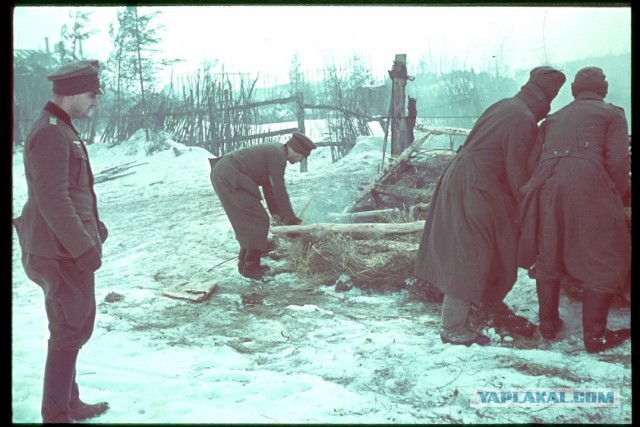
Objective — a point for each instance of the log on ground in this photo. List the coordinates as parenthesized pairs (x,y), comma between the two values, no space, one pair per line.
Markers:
(364,228)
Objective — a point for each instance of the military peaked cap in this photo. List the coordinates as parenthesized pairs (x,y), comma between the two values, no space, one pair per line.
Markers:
(76,77)
(301,143)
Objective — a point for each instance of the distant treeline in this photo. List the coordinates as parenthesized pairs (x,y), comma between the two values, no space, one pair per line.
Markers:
(202,107)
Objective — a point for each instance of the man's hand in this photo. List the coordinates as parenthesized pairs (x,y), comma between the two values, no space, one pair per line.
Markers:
(102,231)
(89,261)
(277,219)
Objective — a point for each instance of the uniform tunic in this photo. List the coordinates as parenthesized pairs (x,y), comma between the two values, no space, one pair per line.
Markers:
(59,222)
(572,215)
(237,178)
(470,239)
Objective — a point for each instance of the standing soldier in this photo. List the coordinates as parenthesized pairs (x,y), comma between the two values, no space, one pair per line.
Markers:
(236,178)
(61,234)
(573,216)
(470,239)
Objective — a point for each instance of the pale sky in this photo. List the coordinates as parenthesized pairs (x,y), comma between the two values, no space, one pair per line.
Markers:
(264,38)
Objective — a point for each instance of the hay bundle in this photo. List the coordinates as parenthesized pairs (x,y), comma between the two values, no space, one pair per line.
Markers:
(369,263)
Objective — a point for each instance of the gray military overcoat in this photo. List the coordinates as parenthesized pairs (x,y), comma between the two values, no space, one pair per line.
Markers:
(572,215)
(470,239)
(237,178)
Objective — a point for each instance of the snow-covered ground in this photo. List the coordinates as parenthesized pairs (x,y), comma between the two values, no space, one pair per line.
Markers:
(307,354)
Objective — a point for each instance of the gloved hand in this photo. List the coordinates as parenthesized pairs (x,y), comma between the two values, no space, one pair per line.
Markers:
(277,219)
(293,221)
(89,261)
(102,231)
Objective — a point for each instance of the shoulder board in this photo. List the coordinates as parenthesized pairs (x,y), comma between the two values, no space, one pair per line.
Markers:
(617,108)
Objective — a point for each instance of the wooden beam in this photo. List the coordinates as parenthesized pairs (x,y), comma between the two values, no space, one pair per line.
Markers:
(366,214)
(364,228)
(259,135)
(399,81)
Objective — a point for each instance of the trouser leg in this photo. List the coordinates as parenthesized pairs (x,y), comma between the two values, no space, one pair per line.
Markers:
(70,307)
(454,329)
(454,318)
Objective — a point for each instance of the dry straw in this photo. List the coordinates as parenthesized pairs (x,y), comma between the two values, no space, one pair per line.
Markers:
(369,262)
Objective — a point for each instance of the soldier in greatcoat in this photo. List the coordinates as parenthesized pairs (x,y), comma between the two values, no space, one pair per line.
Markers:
(470,239)
(573,214)
(61,234)
(237,178)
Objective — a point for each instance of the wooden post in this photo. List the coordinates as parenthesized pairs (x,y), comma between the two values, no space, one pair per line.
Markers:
(398,76)
(410,121)
(300,117)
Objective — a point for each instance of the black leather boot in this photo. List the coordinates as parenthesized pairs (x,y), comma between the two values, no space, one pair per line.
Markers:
(252,267)
(80,410)
(58,375)
(269,247)
(241,261)
(548,302)
(505,319)
(595,310)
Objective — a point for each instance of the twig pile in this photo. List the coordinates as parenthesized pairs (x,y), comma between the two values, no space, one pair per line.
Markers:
(369,263)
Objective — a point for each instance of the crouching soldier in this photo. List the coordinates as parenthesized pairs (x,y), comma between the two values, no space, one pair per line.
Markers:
(237,178)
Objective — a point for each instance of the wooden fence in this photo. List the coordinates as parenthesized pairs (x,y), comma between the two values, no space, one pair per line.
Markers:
(300,108)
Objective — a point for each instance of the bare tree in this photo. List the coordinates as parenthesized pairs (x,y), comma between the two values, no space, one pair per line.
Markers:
(73,35)
(296,78)
(133,66)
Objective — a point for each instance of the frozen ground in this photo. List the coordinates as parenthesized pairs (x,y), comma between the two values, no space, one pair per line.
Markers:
(306,354)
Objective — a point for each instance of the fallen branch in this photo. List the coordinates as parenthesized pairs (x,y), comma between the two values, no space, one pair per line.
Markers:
(103,178)
(116,168)
(444,130)
(115,172)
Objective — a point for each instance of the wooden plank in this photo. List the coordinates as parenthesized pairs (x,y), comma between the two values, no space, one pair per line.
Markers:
(198,291)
